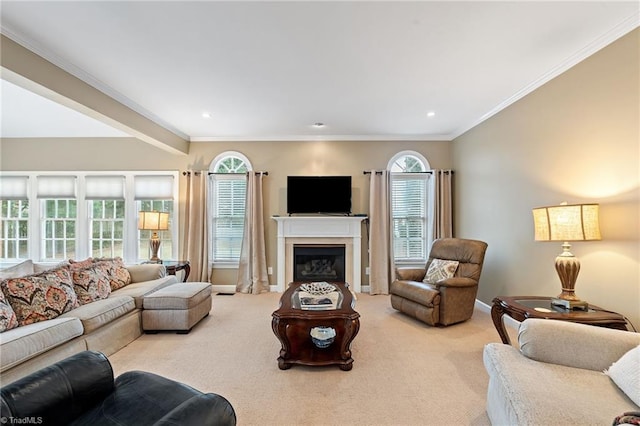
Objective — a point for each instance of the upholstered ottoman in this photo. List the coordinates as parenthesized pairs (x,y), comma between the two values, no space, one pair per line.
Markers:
(176,307)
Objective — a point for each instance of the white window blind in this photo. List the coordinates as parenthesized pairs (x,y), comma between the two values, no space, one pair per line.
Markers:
(409,199)
(153,187)
(228,217)
(56,187)
(14,187)
(104,188)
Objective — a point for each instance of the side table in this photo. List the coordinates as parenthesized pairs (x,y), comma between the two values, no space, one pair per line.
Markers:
(522,307)
(174,266)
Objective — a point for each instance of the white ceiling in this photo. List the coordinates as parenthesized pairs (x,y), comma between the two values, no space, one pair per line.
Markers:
(269,70)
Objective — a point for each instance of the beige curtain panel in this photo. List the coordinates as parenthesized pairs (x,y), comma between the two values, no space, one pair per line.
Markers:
(196,234)
(252,272)
(442,205)
(381,265)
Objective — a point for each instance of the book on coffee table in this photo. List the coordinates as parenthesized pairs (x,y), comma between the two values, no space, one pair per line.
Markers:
(316,302)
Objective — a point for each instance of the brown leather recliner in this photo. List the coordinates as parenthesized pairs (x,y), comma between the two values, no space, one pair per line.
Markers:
(450,300)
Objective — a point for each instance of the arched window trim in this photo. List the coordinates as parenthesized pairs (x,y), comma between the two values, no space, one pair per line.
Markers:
(406,153)
(215,163)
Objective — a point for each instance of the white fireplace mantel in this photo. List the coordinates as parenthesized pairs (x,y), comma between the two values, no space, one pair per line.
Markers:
(346,230)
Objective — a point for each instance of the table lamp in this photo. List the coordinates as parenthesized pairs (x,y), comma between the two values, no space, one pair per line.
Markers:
(567,222)
(153,221)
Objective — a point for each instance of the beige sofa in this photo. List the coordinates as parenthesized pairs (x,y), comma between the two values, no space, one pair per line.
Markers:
(557,376)
(105,325)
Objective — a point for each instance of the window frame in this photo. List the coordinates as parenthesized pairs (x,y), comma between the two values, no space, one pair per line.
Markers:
(131,235)
(397,173)
(215,177)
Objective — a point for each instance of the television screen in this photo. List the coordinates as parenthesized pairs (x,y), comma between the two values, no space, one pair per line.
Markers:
(319,194)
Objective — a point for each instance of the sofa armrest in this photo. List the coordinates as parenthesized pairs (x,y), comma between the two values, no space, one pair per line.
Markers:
(410,274)
(574,345)
(146,272)
(60,393)
(205,409)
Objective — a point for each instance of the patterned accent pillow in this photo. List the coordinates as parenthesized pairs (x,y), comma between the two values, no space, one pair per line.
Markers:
(8,319)
(119,275)
(40,297)
(90,283)
(80,264)
(440,269)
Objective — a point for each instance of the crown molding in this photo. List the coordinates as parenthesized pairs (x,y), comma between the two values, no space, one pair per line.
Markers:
(326,138)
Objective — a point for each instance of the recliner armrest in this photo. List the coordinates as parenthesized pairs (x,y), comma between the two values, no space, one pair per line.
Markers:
(410,274)
(456,282)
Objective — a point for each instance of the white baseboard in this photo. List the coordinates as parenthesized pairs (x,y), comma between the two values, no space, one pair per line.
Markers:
(508,321)
(220,288)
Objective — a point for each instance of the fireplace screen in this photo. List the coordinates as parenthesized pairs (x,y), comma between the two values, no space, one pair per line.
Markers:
(318,262)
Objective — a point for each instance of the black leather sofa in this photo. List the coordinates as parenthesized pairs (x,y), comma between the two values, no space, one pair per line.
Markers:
(81,390)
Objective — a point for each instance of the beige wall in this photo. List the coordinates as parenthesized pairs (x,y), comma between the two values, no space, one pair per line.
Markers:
(575,139)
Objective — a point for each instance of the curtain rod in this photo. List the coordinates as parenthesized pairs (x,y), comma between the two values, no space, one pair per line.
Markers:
(379,172)
(216,173)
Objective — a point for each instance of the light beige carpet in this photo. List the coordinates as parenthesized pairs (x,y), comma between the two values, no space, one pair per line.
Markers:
(404,372)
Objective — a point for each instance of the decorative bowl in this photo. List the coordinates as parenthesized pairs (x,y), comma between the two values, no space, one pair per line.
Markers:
(322,337)
(319,288)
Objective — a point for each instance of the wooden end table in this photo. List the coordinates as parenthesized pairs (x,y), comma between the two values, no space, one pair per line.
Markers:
(292,326)
(522,307)
(174,266)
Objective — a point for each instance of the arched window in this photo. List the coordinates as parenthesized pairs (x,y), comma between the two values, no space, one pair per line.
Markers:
(228,192)
(409,179)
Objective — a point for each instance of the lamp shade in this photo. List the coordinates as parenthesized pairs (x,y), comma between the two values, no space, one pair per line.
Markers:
(153,221)
(567,222)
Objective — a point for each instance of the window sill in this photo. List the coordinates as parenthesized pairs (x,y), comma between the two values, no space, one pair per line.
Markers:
(225,265)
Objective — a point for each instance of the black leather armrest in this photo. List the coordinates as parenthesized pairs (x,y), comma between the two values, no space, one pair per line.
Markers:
(205,409)
(58,394)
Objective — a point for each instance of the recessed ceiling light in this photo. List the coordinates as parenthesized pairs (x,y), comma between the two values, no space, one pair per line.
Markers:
(318,125)
(431,114)
(206,115)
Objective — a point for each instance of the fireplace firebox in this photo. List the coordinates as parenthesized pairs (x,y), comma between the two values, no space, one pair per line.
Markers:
(319,262)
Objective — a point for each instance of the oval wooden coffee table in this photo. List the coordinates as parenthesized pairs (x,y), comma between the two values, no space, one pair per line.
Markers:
(292,325)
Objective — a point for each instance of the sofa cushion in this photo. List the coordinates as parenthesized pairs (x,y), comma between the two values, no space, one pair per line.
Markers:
(23,343)
(139,290)
(8,319)
(42,296)
(17,271)
(95,315)
(626,374)
(91,283)
(440,269)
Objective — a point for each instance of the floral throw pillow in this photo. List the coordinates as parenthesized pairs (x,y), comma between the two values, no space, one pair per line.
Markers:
(40,297)
(119,275)
(440,269)
(8,319)
(91,283)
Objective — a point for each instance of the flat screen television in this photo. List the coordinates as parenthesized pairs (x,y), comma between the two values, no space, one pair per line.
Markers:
(319,194)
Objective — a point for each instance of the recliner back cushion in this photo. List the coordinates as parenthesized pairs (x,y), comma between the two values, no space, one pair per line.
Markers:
(469,254)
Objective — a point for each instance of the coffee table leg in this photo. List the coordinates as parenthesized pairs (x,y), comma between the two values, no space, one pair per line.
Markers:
(497,312)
